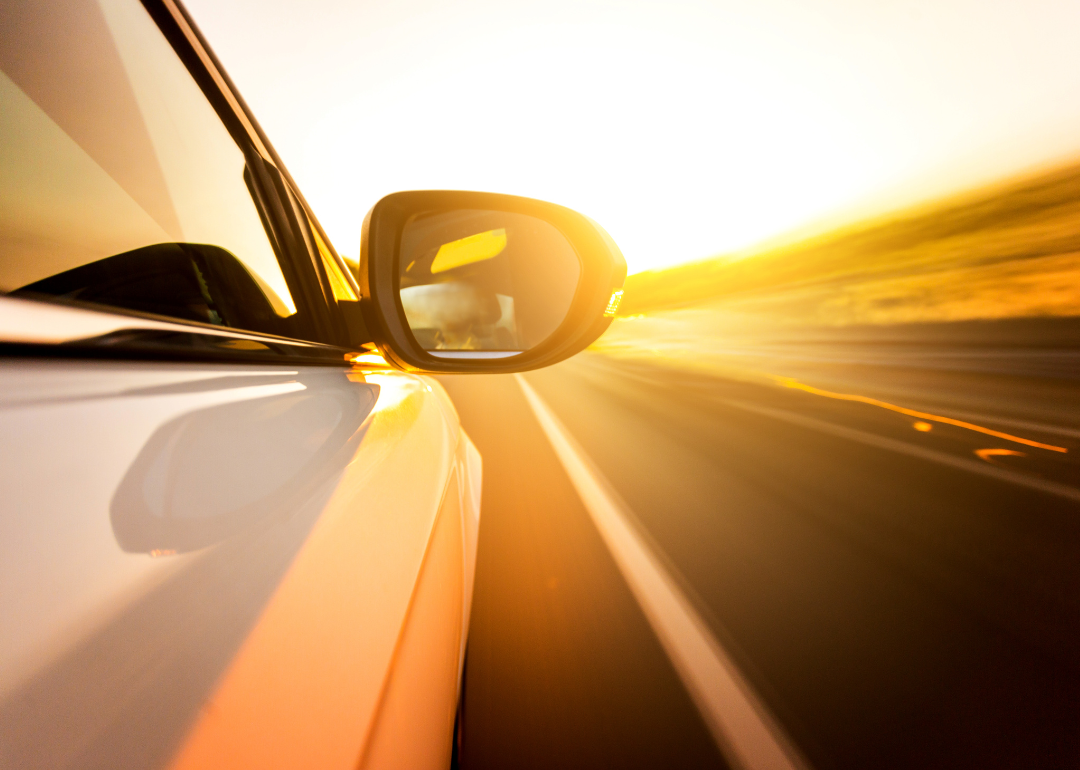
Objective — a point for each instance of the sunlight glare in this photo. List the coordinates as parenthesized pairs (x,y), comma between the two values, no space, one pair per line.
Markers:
(535,126)
(687,128)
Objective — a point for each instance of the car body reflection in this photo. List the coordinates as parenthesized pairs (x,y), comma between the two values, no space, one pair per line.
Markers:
(229,469)
(210,473)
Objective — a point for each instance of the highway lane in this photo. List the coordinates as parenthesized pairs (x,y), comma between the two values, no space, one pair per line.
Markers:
(895,598)
(563,670)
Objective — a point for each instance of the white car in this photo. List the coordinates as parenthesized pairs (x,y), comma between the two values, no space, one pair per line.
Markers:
(238,524)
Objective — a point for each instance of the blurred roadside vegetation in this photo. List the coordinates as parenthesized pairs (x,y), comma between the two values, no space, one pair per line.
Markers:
(1004,252)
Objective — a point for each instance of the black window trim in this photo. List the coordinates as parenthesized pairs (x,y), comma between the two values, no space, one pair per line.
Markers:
(281,202)
(310,223)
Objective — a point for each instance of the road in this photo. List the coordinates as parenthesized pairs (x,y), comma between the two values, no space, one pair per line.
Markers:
(887,555)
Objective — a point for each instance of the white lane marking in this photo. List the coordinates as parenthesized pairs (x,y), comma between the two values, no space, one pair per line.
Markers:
(903,447)
(744,730)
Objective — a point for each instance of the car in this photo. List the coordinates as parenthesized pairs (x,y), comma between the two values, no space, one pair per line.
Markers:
(239,518)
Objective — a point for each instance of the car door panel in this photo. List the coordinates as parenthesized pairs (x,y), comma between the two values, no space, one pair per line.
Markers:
(305,689)
(414,723)
(178,530)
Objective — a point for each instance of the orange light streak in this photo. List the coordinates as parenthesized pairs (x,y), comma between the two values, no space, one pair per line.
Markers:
(790,382)
(986,454)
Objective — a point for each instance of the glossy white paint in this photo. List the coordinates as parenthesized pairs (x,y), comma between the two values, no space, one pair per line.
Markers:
(218,559)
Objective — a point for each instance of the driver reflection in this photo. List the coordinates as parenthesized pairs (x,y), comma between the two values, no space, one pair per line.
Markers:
(460,309)
(484,280)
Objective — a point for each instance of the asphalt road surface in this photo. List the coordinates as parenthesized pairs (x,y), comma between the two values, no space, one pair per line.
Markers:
(889,556)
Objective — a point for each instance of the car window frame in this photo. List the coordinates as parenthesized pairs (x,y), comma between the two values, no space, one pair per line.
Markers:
(287,219)
(272,179)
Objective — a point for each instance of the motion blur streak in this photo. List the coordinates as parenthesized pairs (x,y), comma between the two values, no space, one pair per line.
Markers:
(913,450)
(740,723)
(986,454)
(788,382)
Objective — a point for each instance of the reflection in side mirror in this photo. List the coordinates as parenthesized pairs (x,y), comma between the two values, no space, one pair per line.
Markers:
(459,315)
(491,281)
(478,282)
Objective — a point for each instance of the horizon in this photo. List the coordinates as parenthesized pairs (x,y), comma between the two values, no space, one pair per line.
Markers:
(878,213)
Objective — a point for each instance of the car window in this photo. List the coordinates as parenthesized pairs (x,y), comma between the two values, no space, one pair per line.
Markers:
(119,184)
(340,285)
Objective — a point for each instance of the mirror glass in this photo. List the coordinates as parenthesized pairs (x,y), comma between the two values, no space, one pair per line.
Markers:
(484,284)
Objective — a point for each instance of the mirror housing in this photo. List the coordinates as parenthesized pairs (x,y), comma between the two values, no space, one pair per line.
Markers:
(602,271)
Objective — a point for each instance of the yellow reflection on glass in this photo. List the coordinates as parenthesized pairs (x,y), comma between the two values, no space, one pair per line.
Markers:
(923,427)
(789,382)
(466,251)
(339,284)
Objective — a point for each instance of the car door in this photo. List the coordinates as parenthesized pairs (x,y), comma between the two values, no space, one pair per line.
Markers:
(228,539)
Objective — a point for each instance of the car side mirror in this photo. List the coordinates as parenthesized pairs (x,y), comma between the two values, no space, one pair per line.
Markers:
(479,282)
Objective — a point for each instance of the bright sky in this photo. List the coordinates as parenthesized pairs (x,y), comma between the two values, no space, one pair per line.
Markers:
(686,129)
